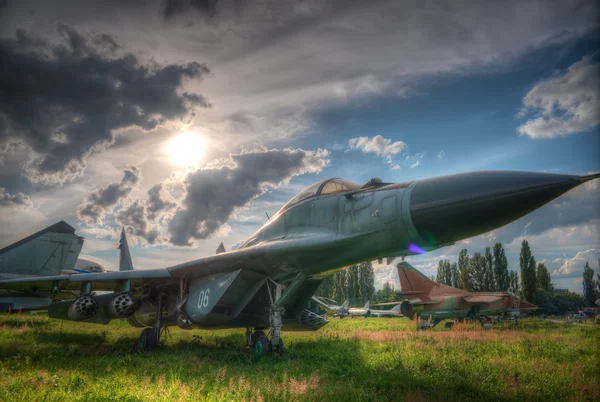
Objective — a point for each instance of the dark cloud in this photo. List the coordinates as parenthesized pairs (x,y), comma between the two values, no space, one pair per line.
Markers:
(7,199)
(172,7)
(214,192)
(157,202)
(136,222)
(66,100)
(145,219)
(96,204)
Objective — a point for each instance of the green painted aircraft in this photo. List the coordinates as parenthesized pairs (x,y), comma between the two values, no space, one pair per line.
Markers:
(431,302)
(269,280)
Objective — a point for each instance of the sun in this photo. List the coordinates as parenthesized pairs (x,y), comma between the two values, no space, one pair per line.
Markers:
(186,149)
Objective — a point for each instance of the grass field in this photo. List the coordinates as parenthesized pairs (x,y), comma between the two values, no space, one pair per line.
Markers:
(349,359)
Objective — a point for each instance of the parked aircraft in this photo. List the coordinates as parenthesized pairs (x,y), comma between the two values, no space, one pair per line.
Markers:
(432,302)
(268,281)
(394,312)
(333,309)
(360,312)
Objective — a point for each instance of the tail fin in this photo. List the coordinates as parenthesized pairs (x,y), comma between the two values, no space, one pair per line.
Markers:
(415,283)
(47,252)
(397,307)
(346,304)
(220,249)
(125,263)
(367,304)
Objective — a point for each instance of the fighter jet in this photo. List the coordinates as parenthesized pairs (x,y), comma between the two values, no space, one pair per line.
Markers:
(393,312)
(360,312)
(432,302)
(267,282)
(335,310)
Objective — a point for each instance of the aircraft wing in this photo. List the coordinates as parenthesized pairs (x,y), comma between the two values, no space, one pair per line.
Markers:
(323,304)
(269,260)
(101,281)
(479,299)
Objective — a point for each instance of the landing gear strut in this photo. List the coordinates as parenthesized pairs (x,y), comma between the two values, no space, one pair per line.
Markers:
(258,341)
(150,337)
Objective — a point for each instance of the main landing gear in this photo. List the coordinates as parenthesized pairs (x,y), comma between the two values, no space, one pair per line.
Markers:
(258,341)
(150,337)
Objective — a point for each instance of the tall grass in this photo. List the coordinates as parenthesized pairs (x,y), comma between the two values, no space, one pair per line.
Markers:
(350,359)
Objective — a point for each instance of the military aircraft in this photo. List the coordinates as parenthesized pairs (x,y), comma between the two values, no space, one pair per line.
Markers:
(393,312)
(335,310)
(360,312)
(432,302)
(269,279)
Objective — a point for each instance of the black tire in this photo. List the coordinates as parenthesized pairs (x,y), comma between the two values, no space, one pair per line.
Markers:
(146,341)
(260,344)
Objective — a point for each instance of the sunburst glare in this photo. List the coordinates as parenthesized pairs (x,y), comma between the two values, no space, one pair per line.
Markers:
(186,149)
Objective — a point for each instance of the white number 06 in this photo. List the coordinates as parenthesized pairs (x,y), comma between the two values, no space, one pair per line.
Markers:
(203,298)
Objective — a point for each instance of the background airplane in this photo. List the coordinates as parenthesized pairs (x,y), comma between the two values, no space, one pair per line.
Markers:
(432,302)
(393,312)
(335,310)
(267,282)
(360,312)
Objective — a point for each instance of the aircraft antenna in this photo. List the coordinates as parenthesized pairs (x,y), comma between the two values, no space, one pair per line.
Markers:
(267,216)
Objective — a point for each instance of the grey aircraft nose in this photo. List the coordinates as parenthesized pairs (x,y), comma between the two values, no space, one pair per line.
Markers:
(451,208)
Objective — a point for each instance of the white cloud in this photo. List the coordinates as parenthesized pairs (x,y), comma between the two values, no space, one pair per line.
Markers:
(380,146)
(441,155)
(567,104)
(573,267)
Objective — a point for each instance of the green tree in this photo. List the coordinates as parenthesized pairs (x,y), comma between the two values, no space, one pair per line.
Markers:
(477,272)
(589,285)
(386,294)
(447,273)
(543,278)
(454,274)
(489,283)
(501,276)
(524,263)
(353,292)
(367,281)
(514,282)
(340,289)
(463,270)
(532,279)
(441,276)
(326,287)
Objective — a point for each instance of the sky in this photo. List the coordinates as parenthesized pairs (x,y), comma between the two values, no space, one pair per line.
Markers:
(187,121)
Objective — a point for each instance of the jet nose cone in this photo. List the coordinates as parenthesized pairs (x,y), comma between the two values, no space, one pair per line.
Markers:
(451,208)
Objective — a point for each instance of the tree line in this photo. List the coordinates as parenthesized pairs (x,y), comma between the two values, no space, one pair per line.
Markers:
(355,283)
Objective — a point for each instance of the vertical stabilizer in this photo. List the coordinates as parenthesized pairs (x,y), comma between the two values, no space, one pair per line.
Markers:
(220,249)
(346,304)
(47,252)
(415,283)
(125,263)
(367,304)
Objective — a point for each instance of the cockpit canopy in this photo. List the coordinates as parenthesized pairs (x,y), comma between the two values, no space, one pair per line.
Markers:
(325,187)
